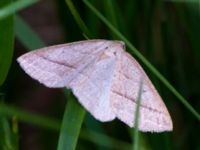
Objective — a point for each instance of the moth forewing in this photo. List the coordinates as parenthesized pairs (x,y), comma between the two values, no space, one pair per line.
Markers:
(104,78)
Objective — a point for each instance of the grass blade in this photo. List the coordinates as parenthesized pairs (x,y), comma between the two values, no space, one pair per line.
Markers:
(137,112)
(71,125)
(6,43)
(10,111)
(144,60)
(5,132)
(15,133)
(9,137)
(110,12)
(15,6)
(26,35)
(6,53)
(78,19)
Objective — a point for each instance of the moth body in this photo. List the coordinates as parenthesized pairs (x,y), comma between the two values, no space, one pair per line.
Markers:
(104,78)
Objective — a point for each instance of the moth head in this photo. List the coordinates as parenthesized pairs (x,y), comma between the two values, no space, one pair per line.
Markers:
(115,48)
(119,45)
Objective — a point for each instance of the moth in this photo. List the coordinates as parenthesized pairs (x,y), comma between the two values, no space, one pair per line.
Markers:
(104,78)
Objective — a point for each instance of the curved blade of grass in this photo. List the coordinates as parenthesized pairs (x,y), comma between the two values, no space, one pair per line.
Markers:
(109,7)
(6,53)
(6,43)
(10,111)
(5,132)
(71,125)
(9,137)
(15,6)
(136,124)
(78,19)
(110,11)
(144,60)
(15,133)
(26,35)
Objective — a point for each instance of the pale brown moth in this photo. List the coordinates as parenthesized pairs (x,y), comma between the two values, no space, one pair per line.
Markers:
(104,78)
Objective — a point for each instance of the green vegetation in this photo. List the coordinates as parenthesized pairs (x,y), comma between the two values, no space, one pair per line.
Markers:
(165,33)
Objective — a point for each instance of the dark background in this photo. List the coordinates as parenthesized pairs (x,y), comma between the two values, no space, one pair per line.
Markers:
(165,32)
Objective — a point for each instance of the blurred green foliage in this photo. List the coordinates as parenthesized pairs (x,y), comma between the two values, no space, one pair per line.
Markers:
(165,32)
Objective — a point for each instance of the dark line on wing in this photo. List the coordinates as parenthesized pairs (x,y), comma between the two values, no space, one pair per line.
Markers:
(56,62)
(133,100)
(127,77)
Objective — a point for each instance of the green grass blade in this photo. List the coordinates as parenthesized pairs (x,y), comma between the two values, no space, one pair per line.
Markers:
(15,133)
(9,137)
(6,53)
(26,35)
(144,60)
(5,132)
(10,111)
(71,125)
(6,43)
(136,121)
(15,6)
(78,19)
(110,13)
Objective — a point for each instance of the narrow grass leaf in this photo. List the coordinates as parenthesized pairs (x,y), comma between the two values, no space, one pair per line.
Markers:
(144,60)
(6,43)
(15,6)
(45,122)
(78,19)
(6,53)
(71,125)
(15,133)
(9,137)
(137,112)
(5,132)
(26,35)
(111,15)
